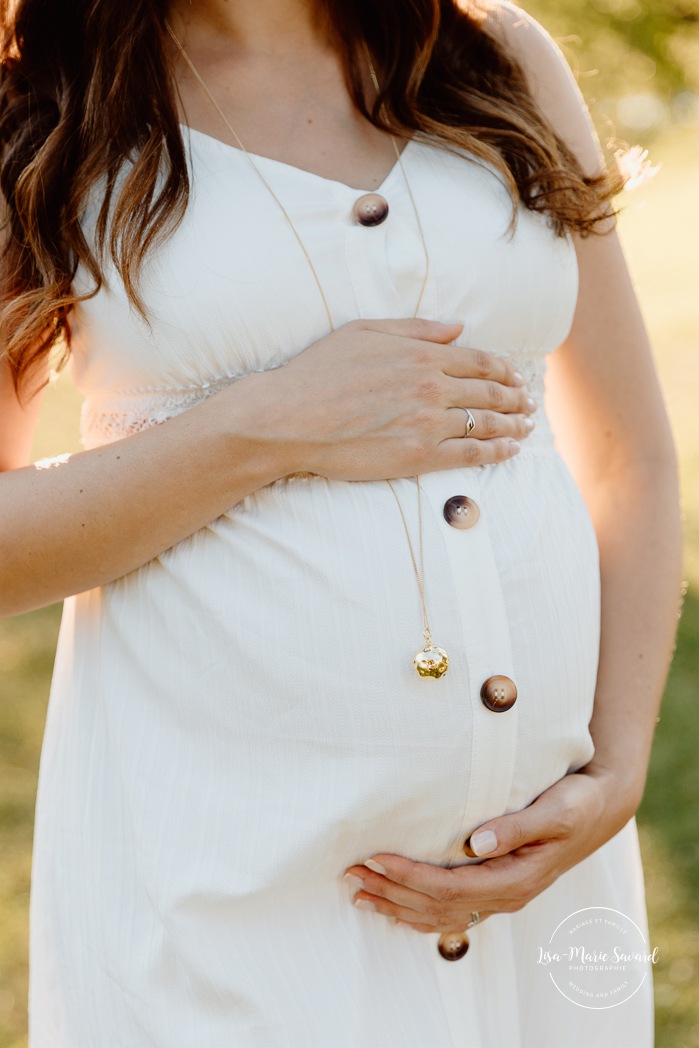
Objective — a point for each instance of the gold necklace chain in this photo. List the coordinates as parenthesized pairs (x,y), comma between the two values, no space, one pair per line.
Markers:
(431,661)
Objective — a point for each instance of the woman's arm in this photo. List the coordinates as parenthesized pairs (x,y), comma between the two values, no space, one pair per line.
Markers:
(17,421)
(607,412)
(102,513)
(374,399)
(610,424)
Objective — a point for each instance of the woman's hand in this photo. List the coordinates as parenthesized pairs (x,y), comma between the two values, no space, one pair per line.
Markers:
(380,399)
(526,852)
(375,399)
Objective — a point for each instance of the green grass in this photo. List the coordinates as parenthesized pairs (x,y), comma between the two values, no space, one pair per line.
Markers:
(27,644)
(659,228)
(670,846)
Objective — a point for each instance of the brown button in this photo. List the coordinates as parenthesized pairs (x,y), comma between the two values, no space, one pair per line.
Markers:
(370,210)
(461,512)
(453,945)
(499,694)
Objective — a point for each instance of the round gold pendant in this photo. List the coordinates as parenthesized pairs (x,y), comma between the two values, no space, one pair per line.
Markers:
(431,661)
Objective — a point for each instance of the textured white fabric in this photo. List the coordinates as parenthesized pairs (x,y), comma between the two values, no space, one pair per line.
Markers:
(236,722)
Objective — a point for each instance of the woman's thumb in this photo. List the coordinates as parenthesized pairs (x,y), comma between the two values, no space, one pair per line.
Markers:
(509,832)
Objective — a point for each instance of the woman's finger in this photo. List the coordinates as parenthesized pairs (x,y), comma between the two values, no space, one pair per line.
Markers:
(386,894)
(415,926)
(459,361)
(416,329)
(453,361)
(482,884)
(430,915)
(445,895)
(435,922)
(489,395)
(489,424)
(555,814)
(477,363)
(461,452)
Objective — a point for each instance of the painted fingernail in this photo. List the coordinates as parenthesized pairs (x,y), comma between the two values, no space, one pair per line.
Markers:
(519,378)
(531,404)
(364,904)
(354,882)
(483,842)
(514,449)
(375,866)
(529,424)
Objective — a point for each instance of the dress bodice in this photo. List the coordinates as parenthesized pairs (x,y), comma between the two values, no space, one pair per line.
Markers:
(230,292)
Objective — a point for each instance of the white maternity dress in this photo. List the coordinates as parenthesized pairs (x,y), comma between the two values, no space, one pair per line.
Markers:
(234,723)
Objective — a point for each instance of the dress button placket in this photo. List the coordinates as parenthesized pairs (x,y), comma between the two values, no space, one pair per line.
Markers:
(486,643)
(386,257)
(365,251)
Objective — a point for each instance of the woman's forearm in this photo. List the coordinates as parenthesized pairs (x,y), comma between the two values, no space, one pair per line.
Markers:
(102,513)
(636,512)
(359,404)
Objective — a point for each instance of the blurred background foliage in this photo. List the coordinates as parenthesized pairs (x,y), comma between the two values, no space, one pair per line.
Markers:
(638,66)
(637,60)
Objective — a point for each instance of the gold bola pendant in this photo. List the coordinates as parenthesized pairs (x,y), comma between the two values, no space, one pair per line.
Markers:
(431,661)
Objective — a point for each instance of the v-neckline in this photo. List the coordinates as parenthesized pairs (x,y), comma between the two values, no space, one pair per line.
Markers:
(300,170)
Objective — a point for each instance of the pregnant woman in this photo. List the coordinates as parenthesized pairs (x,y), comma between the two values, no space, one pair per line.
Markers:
(358,666)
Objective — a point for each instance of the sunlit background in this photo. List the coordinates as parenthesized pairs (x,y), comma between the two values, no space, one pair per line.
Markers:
(638,65)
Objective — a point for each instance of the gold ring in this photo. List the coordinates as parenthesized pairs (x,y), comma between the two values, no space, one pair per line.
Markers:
(470,422)
(475,918)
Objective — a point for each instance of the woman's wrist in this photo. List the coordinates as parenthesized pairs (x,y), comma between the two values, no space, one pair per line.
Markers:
(622,781)
(253,416)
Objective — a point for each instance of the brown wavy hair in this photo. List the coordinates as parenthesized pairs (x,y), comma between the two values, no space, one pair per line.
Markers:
(86,85)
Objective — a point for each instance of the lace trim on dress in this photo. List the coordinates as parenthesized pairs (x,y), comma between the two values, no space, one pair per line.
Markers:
(109,416)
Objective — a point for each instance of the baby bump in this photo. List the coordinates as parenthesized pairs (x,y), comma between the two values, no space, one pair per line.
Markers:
(276,648)
(548,569)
